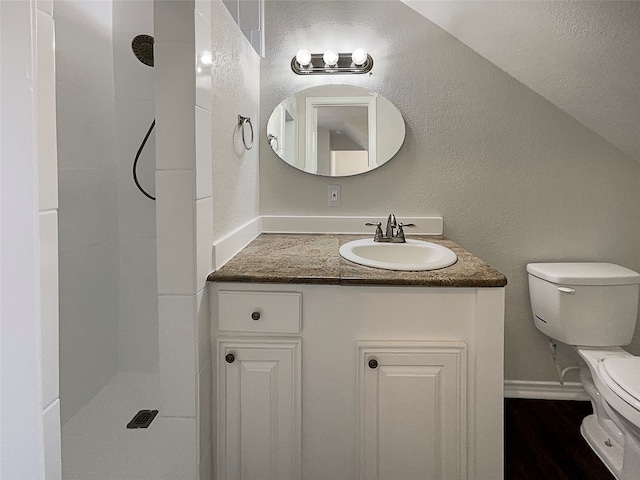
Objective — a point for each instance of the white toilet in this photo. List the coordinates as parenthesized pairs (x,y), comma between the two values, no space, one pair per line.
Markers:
(593,307)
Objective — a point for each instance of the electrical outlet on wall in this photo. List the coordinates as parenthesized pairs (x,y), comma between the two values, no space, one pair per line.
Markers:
(334,195)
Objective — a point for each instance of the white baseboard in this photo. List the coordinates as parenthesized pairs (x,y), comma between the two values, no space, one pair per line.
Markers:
(345,224)
(544,390)
(227,247)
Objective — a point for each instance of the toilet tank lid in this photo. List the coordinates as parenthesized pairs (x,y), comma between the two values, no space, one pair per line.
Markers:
(584,273)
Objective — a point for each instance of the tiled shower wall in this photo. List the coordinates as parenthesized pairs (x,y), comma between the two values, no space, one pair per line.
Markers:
(187,182)
(184,224)
(88,196)
(135,109)
(108,292)
(48,192)
(30,412)
(21,406)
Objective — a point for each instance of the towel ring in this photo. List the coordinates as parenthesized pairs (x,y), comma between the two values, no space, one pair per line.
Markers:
(242,121)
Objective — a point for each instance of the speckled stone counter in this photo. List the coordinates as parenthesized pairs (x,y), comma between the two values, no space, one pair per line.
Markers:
(314,259)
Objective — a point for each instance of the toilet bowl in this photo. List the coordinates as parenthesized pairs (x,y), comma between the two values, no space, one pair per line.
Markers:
(613,431)
(593,307)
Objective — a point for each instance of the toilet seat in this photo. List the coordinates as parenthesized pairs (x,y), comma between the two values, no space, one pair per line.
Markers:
(622,376)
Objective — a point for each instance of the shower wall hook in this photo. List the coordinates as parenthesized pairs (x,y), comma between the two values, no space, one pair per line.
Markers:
(242,121)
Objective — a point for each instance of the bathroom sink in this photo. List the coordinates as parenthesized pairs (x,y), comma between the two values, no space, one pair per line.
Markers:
(412,255)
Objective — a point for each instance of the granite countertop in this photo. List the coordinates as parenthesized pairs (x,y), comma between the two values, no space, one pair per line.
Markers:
(314,259)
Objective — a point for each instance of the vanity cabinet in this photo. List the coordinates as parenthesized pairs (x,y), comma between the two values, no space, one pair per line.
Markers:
(258,385)
(302,398)
(259,406)
(411,411)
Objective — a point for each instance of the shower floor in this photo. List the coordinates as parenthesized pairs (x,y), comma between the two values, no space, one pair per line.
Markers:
(96,445)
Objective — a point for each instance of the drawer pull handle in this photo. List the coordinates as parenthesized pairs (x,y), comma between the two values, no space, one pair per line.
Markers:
(373,363)
(255,316)
(230,358)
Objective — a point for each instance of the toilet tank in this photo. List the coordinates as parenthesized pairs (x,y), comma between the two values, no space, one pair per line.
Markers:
(586,304)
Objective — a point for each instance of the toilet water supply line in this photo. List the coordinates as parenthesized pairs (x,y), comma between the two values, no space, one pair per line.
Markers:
(561,371)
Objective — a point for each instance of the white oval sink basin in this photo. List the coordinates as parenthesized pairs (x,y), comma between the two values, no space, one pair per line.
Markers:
(413,255)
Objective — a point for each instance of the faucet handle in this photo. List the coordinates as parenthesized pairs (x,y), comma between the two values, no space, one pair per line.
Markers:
(401,231)
(378,233)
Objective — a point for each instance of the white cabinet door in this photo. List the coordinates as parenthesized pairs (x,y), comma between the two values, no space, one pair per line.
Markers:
(412,410)
(259,435)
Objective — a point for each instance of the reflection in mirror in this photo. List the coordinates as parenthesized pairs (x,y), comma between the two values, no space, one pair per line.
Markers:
(345,134)
(335,130)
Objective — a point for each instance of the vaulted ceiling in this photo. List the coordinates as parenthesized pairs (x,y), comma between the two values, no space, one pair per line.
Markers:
(583,56)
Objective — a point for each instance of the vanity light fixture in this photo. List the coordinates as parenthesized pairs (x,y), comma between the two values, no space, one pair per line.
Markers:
(330,62)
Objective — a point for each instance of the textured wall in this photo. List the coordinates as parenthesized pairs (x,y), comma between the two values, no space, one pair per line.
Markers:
(515,178)
(236,87)
(582,56)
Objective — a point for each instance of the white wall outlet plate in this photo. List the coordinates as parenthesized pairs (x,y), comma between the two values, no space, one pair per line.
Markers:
(334,195)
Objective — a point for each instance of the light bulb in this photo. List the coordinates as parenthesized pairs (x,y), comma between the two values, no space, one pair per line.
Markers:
(206,58)
(303,57)
(330,57)
(359,56)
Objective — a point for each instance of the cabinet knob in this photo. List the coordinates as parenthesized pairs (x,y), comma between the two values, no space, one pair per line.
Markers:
(373,363)
(230,358)
(255,315)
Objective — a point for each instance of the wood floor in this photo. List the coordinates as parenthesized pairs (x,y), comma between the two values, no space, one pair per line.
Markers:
(543,442)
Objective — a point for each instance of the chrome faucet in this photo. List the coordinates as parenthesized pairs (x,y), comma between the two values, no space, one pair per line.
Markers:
(394,232)
(391,225)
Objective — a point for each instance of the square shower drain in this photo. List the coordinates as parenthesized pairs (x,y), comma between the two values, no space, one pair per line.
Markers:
(142,419)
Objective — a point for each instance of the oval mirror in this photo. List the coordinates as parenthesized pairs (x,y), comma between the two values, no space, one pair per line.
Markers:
(335,130)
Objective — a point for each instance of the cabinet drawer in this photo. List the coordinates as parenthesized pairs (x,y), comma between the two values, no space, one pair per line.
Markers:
(265,312)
